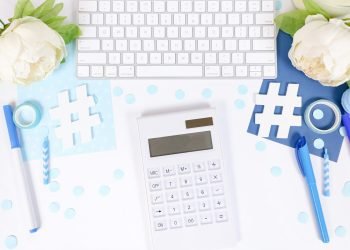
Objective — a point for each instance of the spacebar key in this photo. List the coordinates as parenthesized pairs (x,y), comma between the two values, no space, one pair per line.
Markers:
(169,71)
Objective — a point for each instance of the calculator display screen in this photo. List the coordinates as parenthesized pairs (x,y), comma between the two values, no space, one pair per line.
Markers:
(178,144)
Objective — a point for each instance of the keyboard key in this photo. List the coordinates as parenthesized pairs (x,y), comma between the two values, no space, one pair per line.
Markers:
(104,6)
(173,209)
(226,6)
(97,19)
(155,185)
(128,58)
(104,32)
(254,31)
(88,45)
(270,71)
(217,190)
(186,181)
(267,5)
(175,222)
(227,71)
(88,31)
(107,45)
(184,168)
(169,58)
(131,6)
(83,71)
(157,198)
(212,71)
(118,6)
(254,6)
(153,173)
(92,58)
(199,6)
(189,207)
(269,31)
(183,58)
(172,196)
(260,58)
(240,6)
(242,71)
(214,164)
(111,19)
(221,216)
(219,203)
(202,192)
(199,166)
(88,6)
(237,58)
(126,71)
(169,171)
(201,179)
(186,6)
(264,18)
(114,58)
(97,71)
(264,44)
(215,177)
(190,221)
(145,6)
(160,225)
(155,58)
(187,194)
(84,18)
(141,58)
(204,205)
(224,58)
(172,6)
(170,183)
(206,218)
(111,71)
(118,32)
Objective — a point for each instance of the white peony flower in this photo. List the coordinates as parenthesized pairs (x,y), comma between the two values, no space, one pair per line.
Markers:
(29,51)
(321,50)
(333,7)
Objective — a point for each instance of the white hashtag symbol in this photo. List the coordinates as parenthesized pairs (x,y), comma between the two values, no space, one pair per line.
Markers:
(66,110)
(286,119)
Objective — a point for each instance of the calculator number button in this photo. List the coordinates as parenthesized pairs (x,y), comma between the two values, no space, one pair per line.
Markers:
(213,165)
(187,194)
(219,203)
(202,192)
(160,225)
(175,223)
(158,211)
(155,185)
(174,209)
(168,171)
(153,173)
(190,221)
(186,181)
(170,183)
(172,196)
(201,179)
(218,190)
(221,216)
(189,207)
(184,169)
(206,218)
(215,177)
(204,205)
(199,167)
(157,198)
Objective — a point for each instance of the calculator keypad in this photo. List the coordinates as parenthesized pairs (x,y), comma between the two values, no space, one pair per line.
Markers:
(187,195)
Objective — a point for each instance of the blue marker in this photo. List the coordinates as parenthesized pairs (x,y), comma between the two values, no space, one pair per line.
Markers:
(25,187)
(303,158)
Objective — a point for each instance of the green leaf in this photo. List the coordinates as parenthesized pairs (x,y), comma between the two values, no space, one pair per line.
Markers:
(23,8)
(348,83)
(43,9)
(53,12)
(292,21)
(55,22)
(313,8)
(69,32)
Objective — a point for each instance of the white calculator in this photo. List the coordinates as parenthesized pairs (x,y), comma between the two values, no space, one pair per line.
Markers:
(190,198)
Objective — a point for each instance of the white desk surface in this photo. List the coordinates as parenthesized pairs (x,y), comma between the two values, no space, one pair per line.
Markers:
(274,211)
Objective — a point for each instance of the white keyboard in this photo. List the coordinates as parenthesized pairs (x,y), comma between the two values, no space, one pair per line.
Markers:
(176,39)
(187,195)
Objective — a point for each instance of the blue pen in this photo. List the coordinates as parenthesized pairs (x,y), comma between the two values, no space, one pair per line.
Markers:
(303,157)
(25,187)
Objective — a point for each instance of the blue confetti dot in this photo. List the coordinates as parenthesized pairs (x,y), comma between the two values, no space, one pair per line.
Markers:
(303,217)
(54,173)
(180,94)
(11,242)
(340,231)
(346,189)
(117,91)
(242,89)
(78,191)
(130,99)
(342,131)
(54,207)
(319,143)
(6,204)
(69,213)
(207,93)
(276,171)
(318,114)
(54,186)
(152,89)
(240,104)
(104,190)
(260,146)
(278,5)
(118,174)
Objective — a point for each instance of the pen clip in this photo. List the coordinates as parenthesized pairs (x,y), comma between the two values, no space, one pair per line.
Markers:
(300,143)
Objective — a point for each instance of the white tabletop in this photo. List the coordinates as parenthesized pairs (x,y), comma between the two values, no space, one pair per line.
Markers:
(274,209)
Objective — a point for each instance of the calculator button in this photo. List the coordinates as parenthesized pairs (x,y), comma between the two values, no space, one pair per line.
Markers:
(219,203)
(153,173)
(189,207)
(169,171)
(213,165)
(202,192)
(204,205)
(198,166)
(170,183)
(218,190)
(172,196)
(190,221)
(186,181)
(158,211)
(160,225)
(184,169)
(201,179)
(206,218)
(215,177)
(155,185)
(157,198)
(187,194)
(175,222)
(173,209)
(221,216)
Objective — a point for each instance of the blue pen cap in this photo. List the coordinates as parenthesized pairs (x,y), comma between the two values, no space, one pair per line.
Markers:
(11,127)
